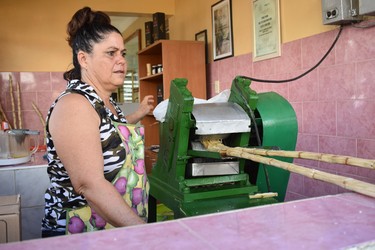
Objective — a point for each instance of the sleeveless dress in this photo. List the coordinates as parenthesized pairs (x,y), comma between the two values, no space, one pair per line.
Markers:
(60,195)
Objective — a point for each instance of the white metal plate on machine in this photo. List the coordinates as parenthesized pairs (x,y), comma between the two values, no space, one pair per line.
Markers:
(215,168)
(220,118)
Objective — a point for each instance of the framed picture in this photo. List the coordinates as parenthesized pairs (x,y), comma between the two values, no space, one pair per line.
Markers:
(266,20)
(222,35)
(202,36)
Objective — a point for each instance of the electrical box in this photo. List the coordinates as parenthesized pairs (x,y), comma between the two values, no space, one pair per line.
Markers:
(367,7)
(340,11)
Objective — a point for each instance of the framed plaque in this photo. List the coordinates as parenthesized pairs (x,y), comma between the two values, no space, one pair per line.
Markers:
(266,21)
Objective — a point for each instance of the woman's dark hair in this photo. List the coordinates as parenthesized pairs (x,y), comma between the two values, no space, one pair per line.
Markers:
(86,28)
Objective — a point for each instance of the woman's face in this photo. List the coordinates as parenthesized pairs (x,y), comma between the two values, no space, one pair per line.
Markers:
(106,65)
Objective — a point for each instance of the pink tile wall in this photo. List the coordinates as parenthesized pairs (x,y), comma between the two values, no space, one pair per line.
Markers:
(334,104)
(40,88)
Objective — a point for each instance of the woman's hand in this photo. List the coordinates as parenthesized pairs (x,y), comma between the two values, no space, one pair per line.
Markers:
(145,107)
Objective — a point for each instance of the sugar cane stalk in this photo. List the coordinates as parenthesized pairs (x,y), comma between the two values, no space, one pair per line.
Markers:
(5,116)
(330,158)
(36,109)
(263,195)
(19,105)
(345,182)
(12,101)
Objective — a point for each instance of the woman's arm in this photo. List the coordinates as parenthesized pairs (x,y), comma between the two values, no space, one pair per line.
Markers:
(74,126)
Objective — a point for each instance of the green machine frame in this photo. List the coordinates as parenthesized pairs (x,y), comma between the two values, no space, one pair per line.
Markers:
(273,125)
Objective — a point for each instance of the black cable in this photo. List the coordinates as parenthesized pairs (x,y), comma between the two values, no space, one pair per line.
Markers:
(303,74)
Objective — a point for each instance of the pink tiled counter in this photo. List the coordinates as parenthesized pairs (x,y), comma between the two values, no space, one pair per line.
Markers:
(327,222)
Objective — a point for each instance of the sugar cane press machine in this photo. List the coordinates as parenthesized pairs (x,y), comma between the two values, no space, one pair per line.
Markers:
(190,180)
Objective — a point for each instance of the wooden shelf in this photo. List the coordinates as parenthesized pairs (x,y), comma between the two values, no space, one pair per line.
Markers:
(154,77)
(154,48)
(180,59)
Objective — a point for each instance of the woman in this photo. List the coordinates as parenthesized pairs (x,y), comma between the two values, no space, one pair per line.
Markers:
(82,140)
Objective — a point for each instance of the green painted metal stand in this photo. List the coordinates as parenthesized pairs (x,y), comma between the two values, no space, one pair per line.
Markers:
(273,124)
(274,121)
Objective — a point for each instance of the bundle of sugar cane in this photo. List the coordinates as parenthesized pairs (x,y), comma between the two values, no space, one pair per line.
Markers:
(330,158)
(345,182)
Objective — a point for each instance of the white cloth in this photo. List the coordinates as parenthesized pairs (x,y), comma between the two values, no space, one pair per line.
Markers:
(161,109)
